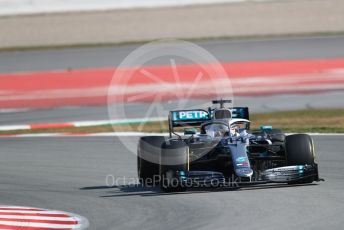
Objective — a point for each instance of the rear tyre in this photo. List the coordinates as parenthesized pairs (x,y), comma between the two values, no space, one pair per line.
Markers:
(300,151)
(148,153)
(173,160)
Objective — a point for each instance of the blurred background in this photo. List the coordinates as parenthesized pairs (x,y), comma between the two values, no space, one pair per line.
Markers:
(57,57)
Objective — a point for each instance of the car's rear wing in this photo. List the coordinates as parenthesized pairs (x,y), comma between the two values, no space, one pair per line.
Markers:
(240,112)
(184,118)
(236,112)
(195,117)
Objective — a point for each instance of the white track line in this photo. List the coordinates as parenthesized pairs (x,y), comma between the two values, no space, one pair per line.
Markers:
(80,123)
(14,7)
(14,127)
(124,134)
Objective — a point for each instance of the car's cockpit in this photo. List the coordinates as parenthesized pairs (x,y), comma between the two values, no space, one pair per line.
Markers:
(224,127)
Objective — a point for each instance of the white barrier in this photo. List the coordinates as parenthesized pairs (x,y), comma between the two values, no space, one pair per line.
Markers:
(248,19)
(13,7)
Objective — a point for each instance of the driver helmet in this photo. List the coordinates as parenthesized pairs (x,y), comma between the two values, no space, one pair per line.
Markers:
(234,130)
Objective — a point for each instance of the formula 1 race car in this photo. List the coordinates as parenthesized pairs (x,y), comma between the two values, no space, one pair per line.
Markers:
(219,149)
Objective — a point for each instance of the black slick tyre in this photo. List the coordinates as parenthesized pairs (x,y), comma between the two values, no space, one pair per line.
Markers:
(173,160)
(148,153)
(300,151)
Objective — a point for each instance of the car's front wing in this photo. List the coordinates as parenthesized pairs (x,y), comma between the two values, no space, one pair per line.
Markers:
(287,174)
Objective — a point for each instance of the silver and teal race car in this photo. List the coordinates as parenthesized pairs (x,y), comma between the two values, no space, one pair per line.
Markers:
(218,149)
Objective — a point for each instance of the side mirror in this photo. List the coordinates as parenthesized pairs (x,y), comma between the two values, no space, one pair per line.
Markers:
(190,131)
(280,137)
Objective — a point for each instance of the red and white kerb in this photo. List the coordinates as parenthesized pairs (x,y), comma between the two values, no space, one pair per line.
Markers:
(28,218)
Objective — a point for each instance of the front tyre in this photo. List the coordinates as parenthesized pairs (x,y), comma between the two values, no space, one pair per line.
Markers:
(148,153)
(173,161)
(300,151)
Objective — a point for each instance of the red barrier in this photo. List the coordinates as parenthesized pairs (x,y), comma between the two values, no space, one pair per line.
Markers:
(90,86)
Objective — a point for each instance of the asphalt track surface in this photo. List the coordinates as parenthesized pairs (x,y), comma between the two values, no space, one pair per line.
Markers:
(255,104)
(69,174)
(223,50)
